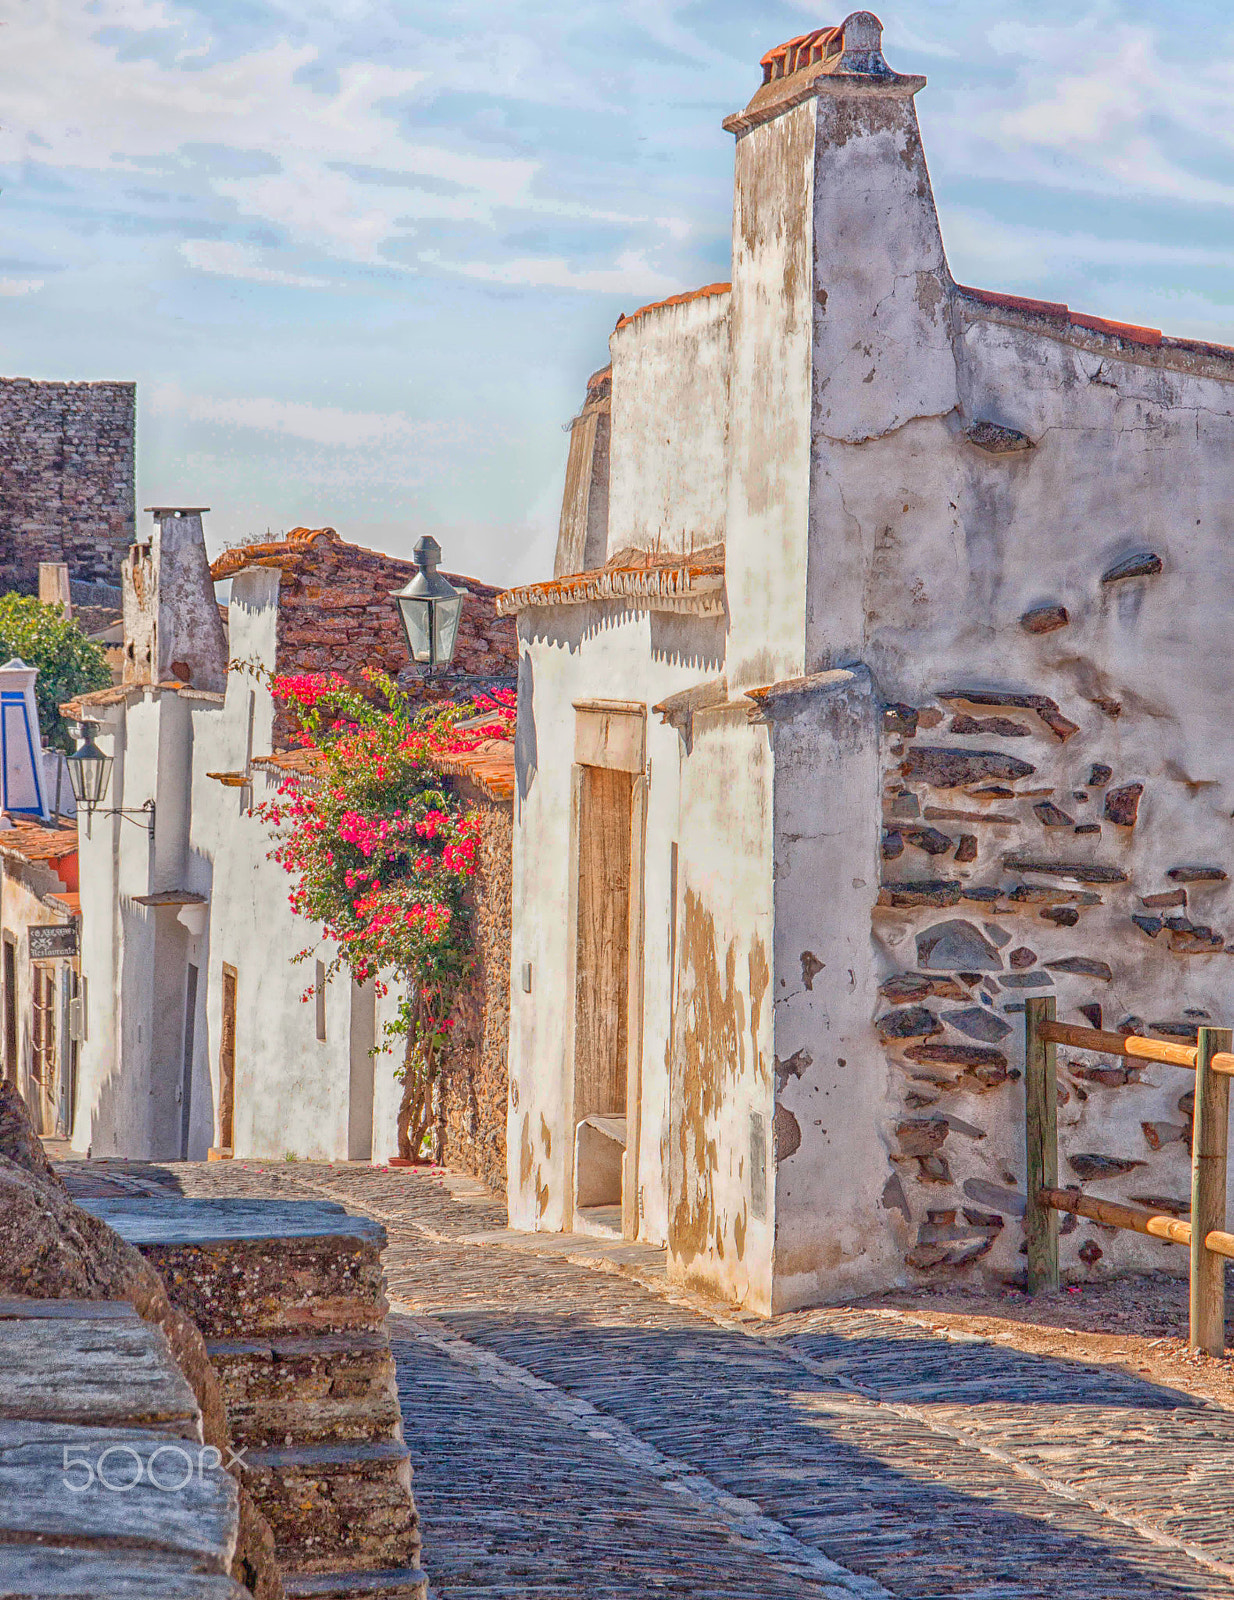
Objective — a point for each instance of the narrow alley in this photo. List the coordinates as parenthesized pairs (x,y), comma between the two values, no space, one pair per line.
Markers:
(577,1431)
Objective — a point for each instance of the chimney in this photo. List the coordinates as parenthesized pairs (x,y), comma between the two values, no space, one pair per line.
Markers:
(172,628)
(54,586)
(840,316)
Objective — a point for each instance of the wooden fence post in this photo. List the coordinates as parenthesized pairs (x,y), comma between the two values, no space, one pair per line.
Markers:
(1041,1140)
(1208,1179)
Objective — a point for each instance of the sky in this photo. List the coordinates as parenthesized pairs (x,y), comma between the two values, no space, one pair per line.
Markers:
(361,256)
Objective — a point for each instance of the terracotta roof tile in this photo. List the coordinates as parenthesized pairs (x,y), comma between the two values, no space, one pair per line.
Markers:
(490,766)
(272,553)
(803,51)
(300,763)
(679,582)
(673,300)
(32,841)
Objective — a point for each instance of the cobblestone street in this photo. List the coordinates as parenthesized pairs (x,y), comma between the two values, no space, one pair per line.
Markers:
(584,1430)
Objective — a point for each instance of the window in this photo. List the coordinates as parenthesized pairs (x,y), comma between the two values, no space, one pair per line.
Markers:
(320,989)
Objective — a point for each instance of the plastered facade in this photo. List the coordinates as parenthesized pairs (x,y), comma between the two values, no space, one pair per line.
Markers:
(955,739)
(198,893)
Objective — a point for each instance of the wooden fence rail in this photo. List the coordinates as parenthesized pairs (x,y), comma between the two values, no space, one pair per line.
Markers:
(1211,1058)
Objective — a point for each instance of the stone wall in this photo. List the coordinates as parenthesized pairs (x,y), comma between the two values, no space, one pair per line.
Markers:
(1023,855)
(66,479)
(471,1122)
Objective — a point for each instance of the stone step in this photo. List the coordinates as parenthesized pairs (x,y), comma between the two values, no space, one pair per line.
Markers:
(391,1583)
(299,1390)
(252,1269)
(59,1572)
(99,1369)
(331,1505)
(83,1486)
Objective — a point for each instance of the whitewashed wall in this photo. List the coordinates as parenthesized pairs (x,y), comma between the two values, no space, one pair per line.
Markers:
(669,440)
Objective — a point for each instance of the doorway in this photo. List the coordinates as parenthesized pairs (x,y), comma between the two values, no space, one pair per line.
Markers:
(10,1010)
(601,998)
(360,1076)
(227,1064)
(186,1080)
(43,1062)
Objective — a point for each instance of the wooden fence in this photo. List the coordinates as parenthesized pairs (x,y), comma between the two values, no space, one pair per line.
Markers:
(1211,1059)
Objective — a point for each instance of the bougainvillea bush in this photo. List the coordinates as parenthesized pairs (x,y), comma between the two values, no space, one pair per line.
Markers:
(381,852)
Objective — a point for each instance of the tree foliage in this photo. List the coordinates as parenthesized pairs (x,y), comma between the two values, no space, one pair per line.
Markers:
(381,852)
(67,661)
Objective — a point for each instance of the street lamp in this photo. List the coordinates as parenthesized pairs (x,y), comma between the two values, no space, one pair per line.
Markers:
(90,772)
(430,608)
(89,768)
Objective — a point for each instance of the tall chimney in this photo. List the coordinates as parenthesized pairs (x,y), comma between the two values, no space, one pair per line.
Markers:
(172,627)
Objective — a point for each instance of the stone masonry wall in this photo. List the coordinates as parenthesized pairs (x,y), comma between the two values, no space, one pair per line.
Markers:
(1014,864)
(66,479)
(471,1124)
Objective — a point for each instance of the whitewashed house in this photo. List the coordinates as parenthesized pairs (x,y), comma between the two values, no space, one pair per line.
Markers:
(197,1038)
(880,685)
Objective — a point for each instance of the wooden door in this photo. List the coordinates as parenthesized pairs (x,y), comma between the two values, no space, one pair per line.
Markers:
(43,1042)
(186,1079)
(10,1011)
(603,950)
(227,1062)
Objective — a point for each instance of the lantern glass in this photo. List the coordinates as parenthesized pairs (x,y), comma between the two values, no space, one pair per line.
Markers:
(446,617)
(417,614)
(89,770)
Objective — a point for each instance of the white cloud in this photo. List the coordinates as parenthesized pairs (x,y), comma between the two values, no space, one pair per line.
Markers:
(631,274)
(227,260)
(327,155)
(16,286)
(1099,105)
(1025,253)
(298,419)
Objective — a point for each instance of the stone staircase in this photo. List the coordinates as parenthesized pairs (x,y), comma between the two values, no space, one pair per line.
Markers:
(289,1296)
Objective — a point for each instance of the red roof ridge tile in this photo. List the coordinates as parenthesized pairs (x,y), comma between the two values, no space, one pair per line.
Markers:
(674,300)
(1130,331)
(801,51)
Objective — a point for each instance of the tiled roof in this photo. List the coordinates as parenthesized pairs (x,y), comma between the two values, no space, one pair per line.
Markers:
(32,841)
(490,766)
(659,305)
(283,763)
(670,582)
(71,901)
(272,554)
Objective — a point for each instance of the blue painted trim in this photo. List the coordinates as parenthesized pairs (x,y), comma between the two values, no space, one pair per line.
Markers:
(17,697)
